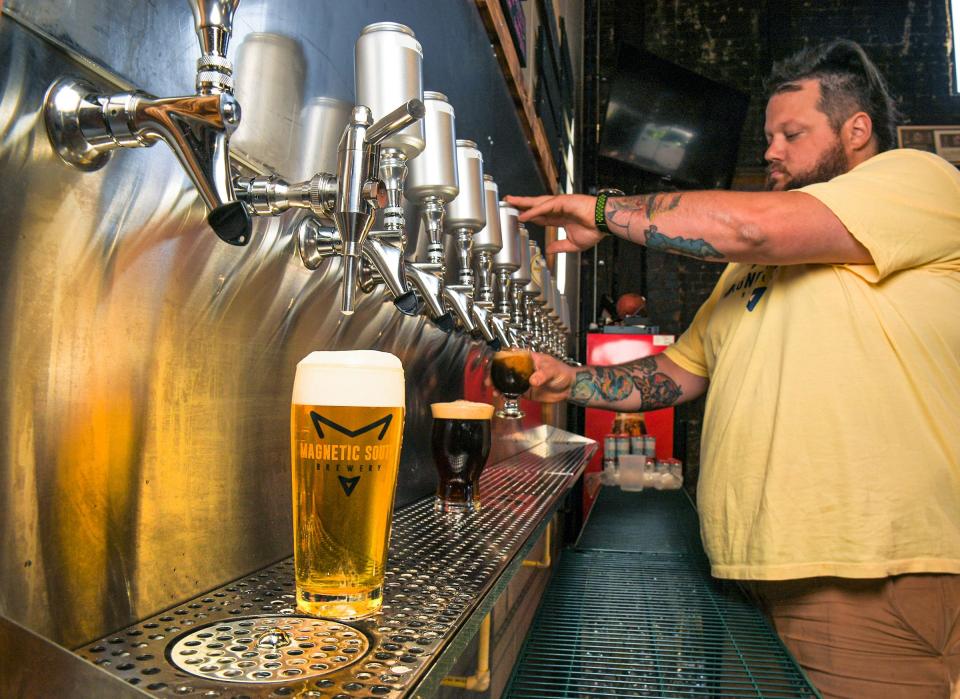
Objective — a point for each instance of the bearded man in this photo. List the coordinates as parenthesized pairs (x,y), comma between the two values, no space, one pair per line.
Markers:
(829,352)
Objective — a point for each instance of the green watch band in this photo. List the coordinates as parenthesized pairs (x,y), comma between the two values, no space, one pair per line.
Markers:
(599,210)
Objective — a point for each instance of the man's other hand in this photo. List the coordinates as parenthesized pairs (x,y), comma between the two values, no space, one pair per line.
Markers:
(572,211)
(551,380)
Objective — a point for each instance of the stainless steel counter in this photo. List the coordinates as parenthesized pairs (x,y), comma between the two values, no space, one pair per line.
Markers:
(444,574)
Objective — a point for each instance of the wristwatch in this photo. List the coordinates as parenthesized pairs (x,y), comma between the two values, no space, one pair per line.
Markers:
(599,211)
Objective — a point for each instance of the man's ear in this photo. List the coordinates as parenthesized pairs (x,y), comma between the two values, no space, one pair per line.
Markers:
(858,131)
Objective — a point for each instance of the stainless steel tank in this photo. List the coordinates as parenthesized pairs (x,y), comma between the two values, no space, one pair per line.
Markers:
(507,258)
(488,238)
(433,173)
(389,72)
(468,209)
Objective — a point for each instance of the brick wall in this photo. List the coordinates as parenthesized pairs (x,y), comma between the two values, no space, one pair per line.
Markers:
(736,42)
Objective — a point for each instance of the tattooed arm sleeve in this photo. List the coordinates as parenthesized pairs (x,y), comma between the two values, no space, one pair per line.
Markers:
(644,384)
(768,228)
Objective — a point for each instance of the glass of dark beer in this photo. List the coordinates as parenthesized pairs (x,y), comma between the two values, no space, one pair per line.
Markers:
(461,444)
(510,372)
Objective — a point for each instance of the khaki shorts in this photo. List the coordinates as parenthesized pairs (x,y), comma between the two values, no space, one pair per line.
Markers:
(887,638)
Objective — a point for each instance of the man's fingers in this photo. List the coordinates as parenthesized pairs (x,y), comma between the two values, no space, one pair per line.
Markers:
(565,245)
(526,202)
(543,213)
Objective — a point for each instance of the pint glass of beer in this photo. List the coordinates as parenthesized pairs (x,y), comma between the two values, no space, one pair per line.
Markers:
(346,430)
(461,444)
(510,372)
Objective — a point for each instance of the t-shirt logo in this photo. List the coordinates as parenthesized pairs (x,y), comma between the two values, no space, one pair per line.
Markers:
(751,286)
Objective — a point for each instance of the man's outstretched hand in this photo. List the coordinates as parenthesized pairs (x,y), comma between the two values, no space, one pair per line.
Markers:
(572,211)
(551,380)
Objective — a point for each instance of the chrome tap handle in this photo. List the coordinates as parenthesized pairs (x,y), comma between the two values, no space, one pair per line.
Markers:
(394,122)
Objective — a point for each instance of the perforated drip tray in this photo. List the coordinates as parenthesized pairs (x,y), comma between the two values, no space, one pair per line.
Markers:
(247,640)
(268,649)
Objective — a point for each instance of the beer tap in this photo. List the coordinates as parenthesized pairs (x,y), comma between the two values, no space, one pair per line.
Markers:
(433,181)
(85,126)
(540,301)
(530,292)
(388,71)
(486,242)
(350,198)
(519,279)
(553,313)
(506,261)
(466,215)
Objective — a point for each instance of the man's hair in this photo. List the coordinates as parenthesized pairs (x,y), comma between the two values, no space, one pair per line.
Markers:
(849,83)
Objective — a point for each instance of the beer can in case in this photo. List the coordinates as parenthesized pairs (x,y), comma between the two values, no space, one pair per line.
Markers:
(623,444)
(610,446)
(637,444)
(650,445)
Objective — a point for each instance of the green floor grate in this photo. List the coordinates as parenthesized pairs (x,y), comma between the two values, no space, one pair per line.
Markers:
(629,623)
(653,520)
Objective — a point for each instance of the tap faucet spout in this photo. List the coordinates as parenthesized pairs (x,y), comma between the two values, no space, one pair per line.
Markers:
(483,322)
(387,260)
(429,287)
(499,324)
(458,301)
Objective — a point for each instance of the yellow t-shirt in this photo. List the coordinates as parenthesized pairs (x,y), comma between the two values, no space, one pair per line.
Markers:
(831,438)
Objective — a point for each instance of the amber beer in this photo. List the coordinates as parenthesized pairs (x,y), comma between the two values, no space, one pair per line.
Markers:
(510,372)
(461,443)
(346,431)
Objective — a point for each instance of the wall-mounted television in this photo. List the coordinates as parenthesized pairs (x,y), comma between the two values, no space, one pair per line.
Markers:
(672,122)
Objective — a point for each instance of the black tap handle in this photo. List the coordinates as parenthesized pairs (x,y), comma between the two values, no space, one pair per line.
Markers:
(231,222)
(444,322)
(408,303)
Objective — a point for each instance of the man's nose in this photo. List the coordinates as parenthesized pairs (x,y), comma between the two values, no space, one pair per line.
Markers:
(774,150)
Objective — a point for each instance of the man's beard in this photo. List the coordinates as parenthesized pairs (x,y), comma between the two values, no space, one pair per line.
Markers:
(833,162)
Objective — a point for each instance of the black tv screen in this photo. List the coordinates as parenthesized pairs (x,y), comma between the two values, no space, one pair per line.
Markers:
(672,122)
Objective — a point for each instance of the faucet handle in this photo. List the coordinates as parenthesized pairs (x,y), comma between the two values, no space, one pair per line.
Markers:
(397,120)
(231,222)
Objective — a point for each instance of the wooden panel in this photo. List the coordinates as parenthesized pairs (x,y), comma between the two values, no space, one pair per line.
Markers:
(499,31)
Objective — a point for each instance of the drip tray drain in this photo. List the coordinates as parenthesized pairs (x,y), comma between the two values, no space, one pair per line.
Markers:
(268,649)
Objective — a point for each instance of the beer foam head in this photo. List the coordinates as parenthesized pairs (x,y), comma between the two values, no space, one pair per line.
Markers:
(462,410)
(503,354)
(349,378)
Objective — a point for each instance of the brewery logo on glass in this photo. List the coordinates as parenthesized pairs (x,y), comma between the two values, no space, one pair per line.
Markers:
(348,453)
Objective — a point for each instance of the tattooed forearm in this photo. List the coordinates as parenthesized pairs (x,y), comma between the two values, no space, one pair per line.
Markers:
(655,240)
(657,390)
(636,385)
(622,211)
(657,203)
(631,215)
(609,384)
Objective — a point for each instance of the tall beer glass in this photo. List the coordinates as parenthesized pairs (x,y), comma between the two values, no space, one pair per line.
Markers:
(346,430)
